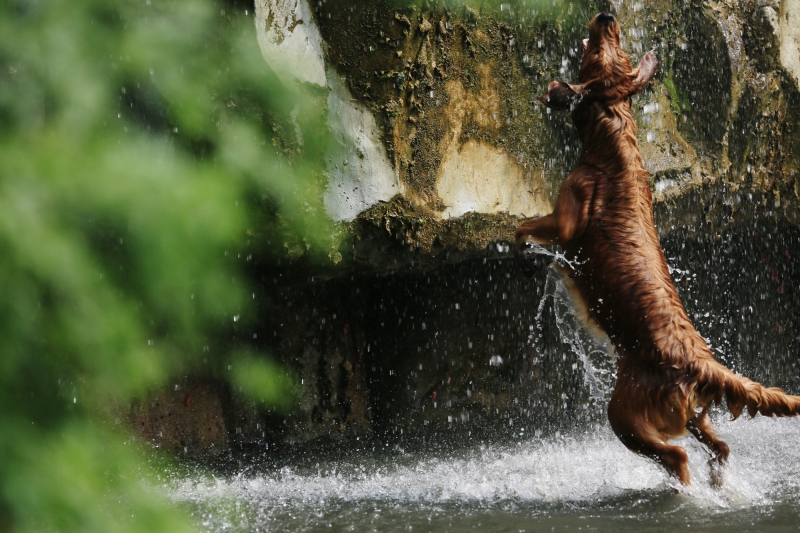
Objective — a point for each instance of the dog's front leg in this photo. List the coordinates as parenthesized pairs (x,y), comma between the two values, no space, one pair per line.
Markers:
(542,230)
(570,216)
(644,73)
(561,95)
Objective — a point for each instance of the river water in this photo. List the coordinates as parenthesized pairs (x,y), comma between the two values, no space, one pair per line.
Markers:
(584,481)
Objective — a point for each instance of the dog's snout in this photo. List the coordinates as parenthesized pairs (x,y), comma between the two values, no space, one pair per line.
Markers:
(606,18)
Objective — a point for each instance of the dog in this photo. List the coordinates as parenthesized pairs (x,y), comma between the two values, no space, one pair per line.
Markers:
(667,377)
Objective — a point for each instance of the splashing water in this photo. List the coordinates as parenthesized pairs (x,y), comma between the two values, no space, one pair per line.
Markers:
(558,481)
(593,348)
(535,248)
(584,479)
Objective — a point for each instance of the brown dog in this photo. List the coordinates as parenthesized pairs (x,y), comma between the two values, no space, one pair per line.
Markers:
(667,377)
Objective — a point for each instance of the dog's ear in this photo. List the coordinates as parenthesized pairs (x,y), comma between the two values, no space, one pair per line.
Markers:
(644,73)
(561,95)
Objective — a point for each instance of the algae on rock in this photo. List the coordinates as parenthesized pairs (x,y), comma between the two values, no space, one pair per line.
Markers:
(452,90)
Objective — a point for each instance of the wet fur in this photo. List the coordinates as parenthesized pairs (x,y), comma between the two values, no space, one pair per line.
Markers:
(667,377)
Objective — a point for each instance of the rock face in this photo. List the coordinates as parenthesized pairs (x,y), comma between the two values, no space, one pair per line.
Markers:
(435,106)
(471,347)
(786,23)
(440,147)
(187,419)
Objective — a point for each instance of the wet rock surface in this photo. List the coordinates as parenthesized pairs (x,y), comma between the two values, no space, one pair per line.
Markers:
(187,419)
(453,92)
(425,328)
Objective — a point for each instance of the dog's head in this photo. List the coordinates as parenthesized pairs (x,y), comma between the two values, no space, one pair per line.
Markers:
(603,58)
(606,73)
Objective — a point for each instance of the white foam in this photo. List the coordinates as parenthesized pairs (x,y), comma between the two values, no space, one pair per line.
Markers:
(765,462)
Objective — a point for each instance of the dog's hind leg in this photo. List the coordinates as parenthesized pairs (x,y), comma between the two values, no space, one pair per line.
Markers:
(674,458)
(702,428)
(640,436)
(650,443)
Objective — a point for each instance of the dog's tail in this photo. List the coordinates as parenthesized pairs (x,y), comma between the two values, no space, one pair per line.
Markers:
(741,392)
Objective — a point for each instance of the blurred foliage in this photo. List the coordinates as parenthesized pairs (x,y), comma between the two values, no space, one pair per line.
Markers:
(263,381)
(141,143)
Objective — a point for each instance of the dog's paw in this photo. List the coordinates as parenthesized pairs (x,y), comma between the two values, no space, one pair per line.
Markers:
(561,95)
(649,65)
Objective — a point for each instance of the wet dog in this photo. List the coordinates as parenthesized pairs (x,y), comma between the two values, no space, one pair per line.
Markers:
(667,377)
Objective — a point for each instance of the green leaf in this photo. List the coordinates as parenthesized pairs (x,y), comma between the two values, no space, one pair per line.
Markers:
(262,380)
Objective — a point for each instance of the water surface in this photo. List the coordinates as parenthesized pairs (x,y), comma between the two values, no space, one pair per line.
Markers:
(584,481)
